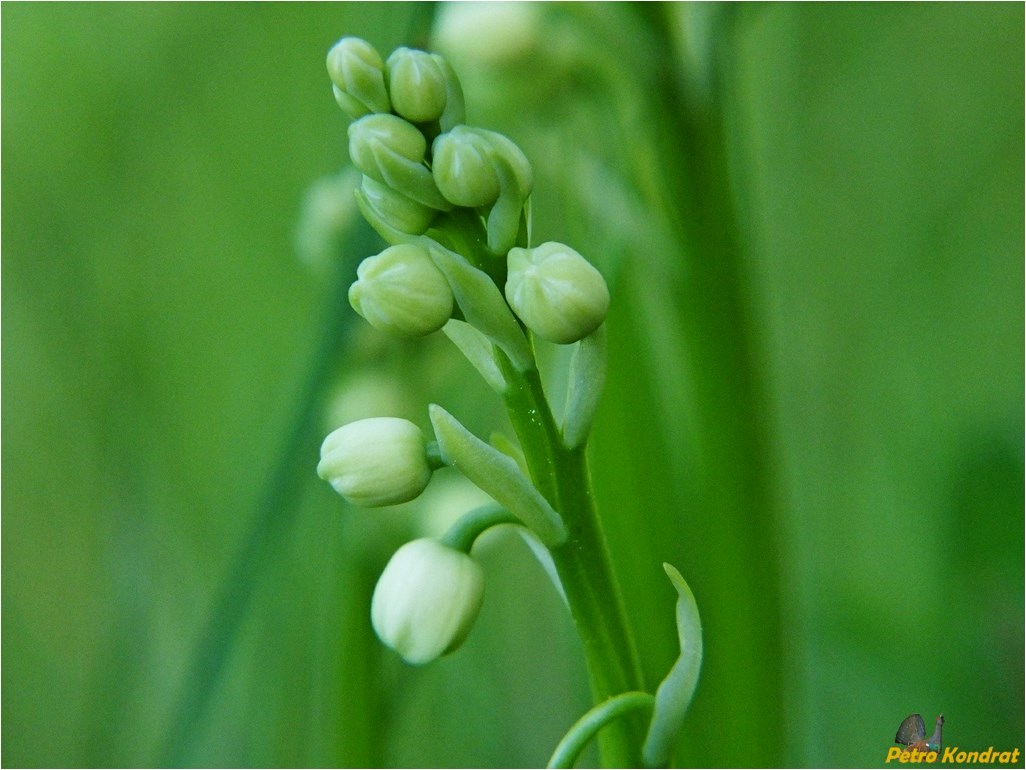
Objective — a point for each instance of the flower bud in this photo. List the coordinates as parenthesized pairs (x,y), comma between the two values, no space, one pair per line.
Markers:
(374,137)
(396,209)
(426,600)
(391,150)
(475,167)
(464,169)
(401,291)
(556,292)
(377,461)
(416,85)
(358,77)
(492,35)
(328,211)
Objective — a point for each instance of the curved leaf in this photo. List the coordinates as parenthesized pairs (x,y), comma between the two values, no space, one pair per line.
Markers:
(674,694)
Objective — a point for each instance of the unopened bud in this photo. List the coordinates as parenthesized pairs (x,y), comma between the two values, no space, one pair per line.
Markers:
(475,167)
(464,168)
(391,150)
(395,209)
(416,85)
(377,461)
(358,77)
(401,291)
(427,600)
(556,292)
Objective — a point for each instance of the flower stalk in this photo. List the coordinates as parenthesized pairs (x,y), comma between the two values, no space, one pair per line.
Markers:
(582,561)
(453,202)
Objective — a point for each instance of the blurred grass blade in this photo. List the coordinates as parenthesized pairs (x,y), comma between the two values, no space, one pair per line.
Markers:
(270,524)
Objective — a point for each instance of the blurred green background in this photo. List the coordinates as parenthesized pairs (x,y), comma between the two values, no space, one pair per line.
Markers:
(821,426)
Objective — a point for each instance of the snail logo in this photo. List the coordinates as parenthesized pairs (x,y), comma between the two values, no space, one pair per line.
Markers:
(912,734)
(920,749)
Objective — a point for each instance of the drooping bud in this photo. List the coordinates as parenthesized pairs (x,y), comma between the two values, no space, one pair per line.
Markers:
(358,77)
(475,167)
(377,461)
(395,209)
(427,600)
(556,292)
(401,291)
(416,85)
(391,150)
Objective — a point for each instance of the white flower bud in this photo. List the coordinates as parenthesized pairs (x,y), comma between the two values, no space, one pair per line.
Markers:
(377,461)
(426,600)
(377,142)
(491,34)
(400,291)
(556,292)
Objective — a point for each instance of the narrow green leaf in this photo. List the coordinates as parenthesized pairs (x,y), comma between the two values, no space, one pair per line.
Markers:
(510,448)
(504,218)
(674,695)
(483,304)
(584,390)
(496,474)
(478,349)
(541,553)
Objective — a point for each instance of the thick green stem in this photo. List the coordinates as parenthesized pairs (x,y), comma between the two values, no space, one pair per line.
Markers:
(582,561)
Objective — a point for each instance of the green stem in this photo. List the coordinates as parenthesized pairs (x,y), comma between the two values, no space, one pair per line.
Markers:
(472,525)
(588,726)
(582,561)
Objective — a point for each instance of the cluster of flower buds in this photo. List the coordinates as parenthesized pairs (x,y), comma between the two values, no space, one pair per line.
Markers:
(429,594)
(427,179)
(451,201)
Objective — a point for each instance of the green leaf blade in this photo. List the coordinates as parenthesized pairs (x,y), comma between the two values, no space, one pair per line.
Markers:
(497,474)
(673,698)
